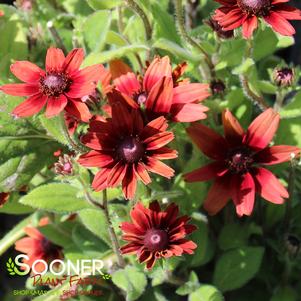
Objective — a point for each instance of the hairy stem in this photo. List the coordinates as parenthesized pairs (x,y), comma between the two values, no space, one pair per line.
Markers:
(279,100)
(185,36)
(113,236)
(139,11)
(25,137)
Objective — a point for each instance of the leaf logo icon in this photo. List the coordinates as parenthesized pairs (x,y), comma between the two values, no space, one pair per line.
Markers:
(12,269)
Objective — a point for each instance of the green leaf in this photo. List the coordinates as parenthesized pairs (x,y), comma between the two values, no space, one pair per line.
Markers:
(95,221)
(285,294)
(95,29)
(206,293)
(132,281)
(105,56)
(103,4)
(292,110)
(236,267)
(244,67)
(56,198)
(190,286)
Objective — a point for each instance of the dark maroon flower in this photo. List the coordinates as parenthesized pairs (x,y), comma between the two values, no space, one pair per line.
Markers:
(217,87)
(223,34)
(155,234)
(284,77)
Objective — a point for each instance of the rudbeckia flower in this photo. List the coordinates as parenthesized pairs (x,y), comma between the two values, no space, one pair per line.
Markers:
(235,13)
(58,88)
(160,91)
(155,233)
(238,158)
(126,150)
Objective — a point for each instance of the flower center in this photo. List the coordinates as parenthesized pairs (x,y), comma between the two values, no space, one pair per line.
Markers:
(54,84)
(240,160)
(140,98)
(131,150)
(156,240)
(255,7)
(217,87)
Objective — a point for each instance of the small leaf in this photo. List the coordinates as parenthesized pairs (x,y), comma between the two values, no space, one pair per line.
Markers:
(206,293)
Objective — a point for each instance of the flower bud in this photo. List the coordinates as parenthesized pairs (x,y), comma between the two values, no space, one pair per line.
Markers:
(284,77)
(217,87)
(64,166)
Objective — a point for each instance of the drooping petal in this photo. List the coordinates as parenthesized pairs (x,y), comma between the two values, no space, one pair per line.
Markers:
(159,68)
(130,248)
(190,93)
(269,187)
(209,142)
(165,153)
(73,60)
(157,125)
(279,24)
(20,89)
(244,194)
(56,105)
(100,180)
(288,12)
(129,183)
(262,130)
(127,84)
(116,174)
(277,154)
(207,172)
(30,106)
(95,159)
(27,71)
(232,128)
(78,109)
(156,166)
(141,173)
(159,140)
(218,195)
(248,27)
(189,112)
(54,59)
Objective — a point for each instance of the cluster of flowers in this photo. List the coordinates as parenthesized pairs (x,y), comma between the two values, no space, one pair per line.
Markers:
(130,142)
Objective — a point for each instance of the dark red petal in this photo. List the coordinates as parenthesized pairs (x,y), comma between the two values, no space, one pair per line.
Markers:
(27,71)
(244,194)
(100,180)
(157,141)
(54,59)
(159,100)
(118,68)
(164,153)
(122,119)
(145,256)
(189,112)
(130,248)
(279,24)
(141,173)
(56,105)
(232,128)
(248,27)
(73,60)
(20,89)
(218,195)
(277,154)
(288,12)
(190,93)
(30,106)
(116,174)
(25,245)
(78,109)
(262,130)
(159,168)
(210,143)
(131,228)
(159,68)
(151,262)
(95,159)
(207,172)
(269,186)
(139,215)
(129,183)
(157,125)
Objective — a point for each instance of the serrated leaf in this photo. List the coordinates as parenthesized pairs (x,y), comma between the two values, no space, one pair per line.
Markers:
(56,198)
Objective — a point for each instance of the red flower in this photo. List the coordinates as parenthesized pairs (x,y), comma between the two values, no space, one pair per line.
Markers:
(4,196)
(126,150)
(37,246)
(155,234)
(159,91)
(245,13)
(236,171)
(60,87)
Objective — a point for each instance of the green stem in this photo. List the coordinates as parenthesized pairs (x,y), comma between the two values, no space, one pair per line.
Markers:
(184,34)
(113,236)
(139,11)
(25,137)
(279,99)
(72,144)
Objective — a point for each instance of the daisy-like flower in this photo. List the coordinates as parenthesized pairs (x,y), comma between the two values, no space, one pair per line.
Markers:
(245,13)
(155,234)
(37,246)
(238,156)
(127,150)
(160,92)
(60,87)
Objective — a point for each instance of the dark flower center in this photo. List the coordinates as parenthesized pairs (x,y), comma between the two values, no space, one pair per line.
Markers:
(131,150)
(217,87)
(156,240)
(255,7)
(140,98)
(240,160)
(54,84)
(49,248)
